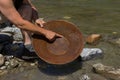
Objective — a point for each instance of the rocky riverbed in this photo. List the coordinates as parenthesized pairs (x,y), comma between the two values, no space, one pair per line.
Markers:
(35,68)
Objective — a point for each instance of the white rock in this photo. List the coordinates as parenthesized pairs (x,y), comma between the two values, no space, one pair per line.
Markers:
(85,77)
(89,53)
(3,67)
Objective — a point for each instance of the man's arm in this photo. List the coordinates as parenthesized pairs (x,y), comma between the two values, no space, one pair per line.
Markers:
(8,10)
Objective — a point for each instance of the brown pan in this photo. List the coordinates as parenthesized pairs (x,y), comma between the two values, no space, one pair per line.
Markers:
(62,50)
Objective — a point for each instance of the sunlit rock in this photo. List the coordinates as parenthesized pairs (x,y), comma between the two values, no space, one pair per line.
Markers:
(67,17)
(2,59)
(93,38)
(107,71)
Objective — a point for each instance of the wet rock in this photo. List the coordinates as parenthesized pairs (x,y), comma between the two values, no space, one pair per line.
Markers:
(14,31)
(25,64)
(118,41)
(21,69)
(2,59)
(85,77)
(9,57)
(32,64)
(93,38)
(115,41)
(90,53)
(107,71)
(7,63)
(13,63)
(19,60)
(67,17)
(3,68)
(17,34)
(3,72)
(114,33)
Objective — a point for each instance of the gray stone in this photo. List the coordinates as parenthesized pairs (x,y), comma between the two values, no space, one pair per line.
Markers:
(107,71)
(85,77)
(33,64)
(118,41)
(7,63)
(9,57)
(3,68)
(13,63)
(2,59)
(3,72)
(115,41)
(13,31)
(90,53)
(17,34)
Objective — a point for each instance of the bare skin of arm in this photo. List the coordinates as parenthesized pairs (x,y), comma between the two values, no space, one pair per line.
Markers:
(8,10)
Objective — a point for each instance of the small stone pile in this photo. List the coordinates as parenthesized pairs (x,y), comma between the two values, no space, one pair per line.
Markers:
(9,63)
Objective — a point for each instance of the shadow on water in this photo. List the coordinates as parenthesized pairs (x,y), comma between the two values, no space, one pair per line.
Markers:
(60,70)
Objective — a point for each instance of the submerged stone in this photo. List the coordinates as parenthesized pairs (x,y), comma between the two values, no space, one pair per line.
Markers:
(107,71)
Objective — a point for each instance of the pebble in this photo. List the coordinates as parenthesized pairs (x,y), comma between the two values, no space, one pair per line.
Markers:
(7,63)
(9,57)
(13,63)
(85,77)
(21,69)
(3,72)
(107,71)
(3,68)
(32,64)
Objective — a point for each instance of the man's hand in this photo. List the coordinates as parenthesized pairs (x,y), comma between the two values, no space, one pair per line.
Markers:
(40,22)
(52,35)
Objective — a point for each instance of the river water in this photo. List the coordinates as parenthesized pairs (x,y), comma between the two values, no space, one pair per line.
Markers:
(90,16)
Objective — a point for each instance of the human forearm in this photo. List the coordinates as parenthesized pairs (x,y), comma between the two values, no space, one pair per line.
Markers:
(8,10)
(26,25)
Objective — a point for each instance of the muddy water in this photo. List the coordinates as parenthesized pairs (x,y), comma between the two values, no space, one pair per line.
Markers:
(91,16)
